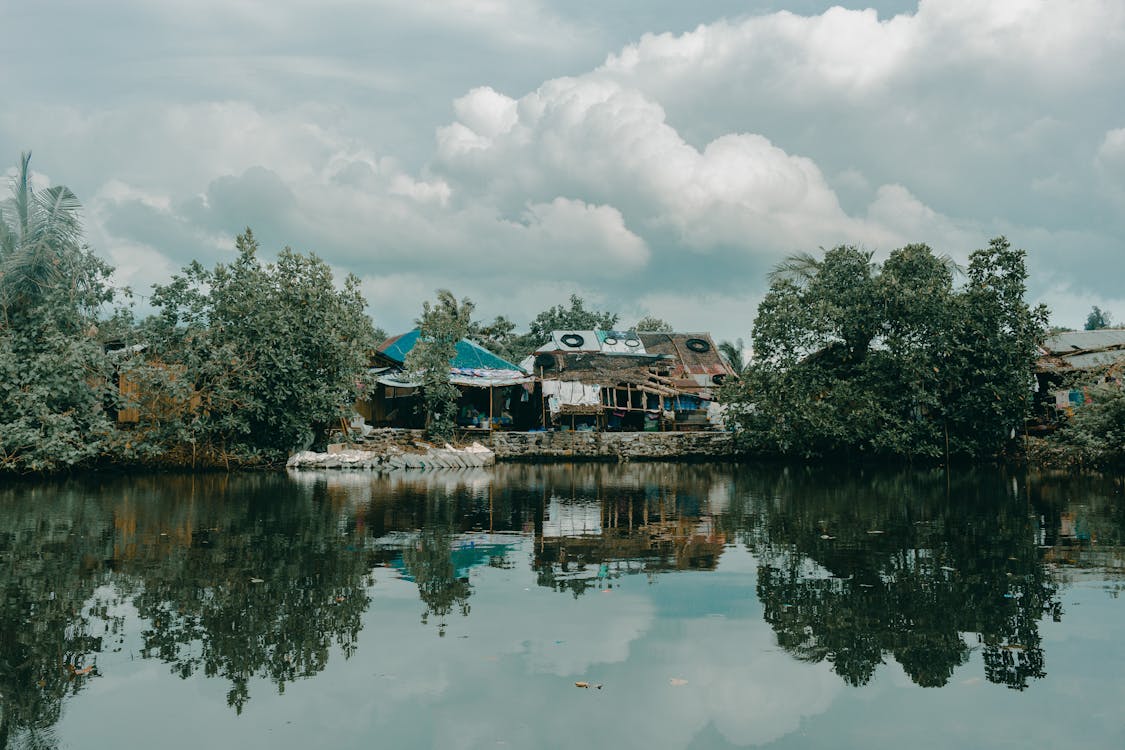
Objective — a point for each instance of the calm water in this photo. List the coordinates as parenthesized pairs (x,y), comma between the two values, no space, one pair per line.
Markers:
(715,606)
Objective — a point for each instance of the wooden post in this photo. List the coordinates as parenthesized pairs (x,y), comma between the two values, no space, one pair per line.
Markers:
(490,408)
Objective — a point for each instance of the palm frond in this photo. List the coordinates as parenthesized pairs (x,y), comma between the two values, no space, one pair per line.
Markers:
(57,217)
(22,193)
(732,353)
(955,269)
(800,266)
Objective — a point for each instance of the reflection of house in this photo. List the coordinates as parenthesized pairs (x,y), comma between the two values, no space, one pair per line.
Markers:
(630,380)
(495,393)
(583,544)
(1073,360)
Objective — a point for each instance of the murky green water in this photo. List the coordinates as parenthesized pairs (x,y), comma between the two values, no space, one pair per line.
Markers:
(705,607)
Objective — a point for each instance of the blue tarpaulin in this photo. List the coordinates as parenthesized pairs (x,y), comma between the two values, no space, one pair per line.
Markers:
(470,356)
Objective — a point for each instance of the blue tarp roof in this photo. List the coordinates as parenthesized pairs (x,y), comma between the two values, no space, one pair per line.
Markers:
(470,356)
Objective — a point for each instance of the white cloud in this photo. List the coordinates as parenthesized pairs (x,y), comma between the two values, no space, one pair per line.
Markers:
(702,156)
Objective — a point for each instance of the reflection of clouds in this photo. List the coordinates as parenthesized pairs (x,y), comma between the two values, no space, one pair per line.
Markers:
(751,690)
(522,650)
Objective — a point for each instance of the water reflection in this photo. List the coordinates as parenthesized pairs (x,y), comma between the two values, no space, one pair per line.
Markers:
(269,577)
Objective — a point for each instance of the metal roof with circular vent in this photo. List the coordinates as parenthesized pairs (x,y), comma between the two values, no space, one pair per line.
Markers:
(573,340)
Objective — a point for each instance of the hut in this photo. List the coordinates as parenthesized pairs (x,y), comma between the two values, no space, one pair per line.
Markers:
(1070,362)
(629,380)
(495,393)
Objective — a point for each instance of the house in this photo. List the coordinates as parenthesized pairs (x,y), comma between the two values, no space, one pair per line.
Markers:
(495,393)
(1072,361)
(629,380)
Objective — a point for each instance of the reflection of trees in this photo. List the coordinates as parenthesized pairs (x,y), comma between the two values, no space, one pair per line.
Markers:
(853,570)
(261,589)
(51,560)
(429,561)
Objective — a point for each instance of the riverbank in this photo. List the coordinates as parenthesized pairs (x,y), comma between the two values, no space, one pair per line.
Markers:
(396,448)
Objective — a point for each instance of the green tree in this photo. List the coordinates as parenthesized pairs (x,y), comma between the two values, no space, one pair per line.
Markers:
(1095,435)
(653,323)
(854,357)
(274,353)
(1098,318)
(991,352)
(54,376)
(441,326)
(576,317)
(498,337)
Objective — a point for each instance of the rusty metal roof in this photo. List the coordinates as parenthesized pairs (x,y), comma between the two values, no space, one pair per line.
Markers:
(696,353)
(1082,350)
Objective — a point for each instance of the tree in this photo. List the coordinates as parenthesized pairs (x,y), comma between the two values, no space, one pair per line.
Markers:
(53,372)
(1095,435)
(1098,318)
(732,353)
(576,317)
(274,353)
(441,326)
(653,323)
(854,357)
(499,336)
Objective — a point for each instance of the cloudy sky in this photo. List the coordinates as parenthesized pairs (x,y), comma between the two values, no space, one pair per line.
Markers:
(655,156)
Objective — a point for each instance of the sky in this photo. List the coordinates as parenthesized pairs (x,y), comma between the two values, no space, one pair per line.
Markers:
(654,156)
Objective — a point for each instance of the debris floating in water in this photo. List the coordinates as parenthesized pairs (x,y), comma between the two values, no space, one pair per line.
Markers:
(677,681)
(257,580)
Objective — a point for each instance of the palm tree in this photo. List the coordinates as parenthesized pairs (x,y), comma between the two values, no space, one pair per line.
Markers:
(40,238)
(732,353)
(799,267)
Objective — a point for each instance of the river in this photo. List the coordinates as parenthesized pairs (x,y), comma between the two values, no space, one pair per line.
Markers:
(565,606)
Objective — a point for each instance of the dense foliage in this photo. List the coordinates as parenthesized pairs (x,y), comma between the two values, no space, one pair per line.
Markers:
(53,373)
(1095,435)
(249,361)
(653,323)
(441,326)
(856,358)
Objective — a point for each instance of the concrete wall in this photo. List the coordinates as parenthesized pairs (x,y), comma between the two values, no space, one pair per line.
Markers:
(611,446)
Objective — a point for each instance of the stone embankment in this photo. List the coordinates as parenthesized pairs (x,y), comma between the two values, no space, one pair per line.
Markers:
(388,449)
(613,446)
(391,457)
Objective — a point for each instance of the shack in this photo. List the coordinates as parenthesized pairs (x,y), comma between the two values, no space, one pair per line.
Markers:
(1071,362)
(629,380)
(495,393)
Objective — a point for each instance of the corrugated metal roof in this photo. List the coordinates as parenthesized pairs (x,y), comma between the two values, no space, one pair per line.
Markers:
(573,341)
(686,349)
(1089,360)
(1074,341)
(620,342)
(469,355)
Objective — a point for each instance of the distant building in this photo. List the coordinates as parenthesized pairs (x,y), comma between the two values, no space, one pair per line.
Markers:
(1071,362)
